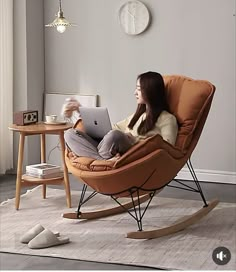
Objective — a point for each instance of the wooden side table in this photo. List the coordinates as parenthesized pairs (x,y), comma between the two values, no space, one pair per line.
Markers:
(24,180)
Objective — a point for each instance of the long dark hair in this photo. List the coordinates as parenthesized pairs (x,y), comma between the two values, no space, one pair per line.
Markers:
(153,92)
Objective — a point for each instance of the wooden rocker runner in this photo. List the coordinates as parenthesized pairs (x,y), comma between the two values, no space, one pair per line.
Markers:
(151,164)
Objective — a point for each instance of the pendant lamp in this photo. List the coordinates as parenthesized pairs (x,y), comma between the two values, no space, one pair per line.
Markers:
(60,22)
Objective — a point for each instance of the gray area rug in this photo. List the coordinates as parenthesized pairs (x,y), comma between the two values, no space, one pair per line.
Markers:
(103,240)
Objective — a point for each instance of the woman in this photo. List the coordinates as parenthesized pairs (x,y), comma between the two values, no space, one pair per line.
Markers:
(151,117)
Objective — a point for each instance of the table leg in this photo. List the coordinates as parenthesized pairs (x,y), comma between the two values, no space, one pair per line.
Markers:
(43,159)
(66,177)
(19,169)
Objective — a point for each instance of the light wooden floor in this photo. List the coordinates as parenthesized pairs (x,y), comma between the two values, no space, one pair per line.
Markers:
(224,192)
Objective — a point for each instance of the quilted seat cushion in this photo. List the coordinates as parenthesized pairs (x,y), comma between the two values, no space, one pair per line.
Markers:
(89,164)
(138,151)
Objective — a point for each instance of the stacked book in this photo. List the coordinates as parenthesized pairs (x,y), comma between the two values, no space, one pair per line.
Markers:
(44,171)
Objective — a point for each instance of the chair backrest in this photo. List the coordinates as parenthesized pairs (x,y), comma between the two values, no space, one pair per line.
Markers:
(189,100)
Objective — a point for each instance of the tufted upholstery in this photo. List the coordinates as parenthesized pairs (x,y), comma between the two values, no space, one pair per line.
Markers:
(89,164)
(187,100)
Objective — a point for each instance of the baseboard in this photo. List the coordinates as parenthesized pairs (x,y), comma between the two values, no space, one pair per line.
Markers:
(209,176)
(202,175)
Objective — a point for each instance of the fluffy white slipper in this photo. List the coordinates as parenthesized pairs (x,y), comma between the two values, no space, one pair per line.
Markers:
(33,232)
(47,239)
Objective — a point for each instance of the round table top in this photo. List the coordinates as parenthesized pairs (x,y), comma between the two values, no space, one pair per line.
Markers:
(41,127)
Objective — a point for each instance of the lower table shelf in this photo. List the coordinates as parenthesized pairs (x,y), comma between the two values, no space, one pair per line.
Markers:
(29,180)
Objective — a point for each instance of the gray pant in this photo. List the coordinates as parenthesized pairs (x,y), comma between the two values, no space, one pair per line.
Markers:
(83,145)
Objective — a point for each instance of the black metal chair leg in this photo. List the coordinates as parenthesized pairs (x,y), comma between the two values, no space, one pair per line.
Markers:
(135,211)
(81,199)
(194,176)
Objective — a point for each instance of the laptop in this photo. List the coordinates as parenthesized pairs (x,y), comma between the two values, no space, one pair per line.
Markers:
(96,121)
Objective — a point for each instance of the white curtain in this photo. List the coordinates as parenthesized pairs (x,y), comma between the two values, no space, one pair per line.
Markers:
(6,84)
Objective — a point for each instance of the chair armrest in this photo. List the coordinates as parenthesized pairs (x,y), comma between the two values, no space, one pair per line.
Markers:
(138,151)
(79,125)
(147,146)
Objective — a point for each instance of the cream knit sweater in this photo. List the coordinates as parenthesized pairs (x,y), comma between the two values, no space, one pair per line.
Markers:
(166,126)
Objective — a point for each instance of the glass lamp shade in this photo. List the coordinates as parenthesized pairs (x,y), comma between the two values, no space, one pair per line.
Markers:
(60,22)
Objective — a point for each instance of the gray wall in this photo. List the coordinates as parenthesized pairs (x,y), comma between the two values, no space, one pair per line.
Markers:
(189,37)
(28,68)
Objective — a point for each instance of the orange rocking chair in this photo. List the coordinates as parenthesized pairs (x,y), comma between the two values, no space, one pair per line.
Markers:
(151,164)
